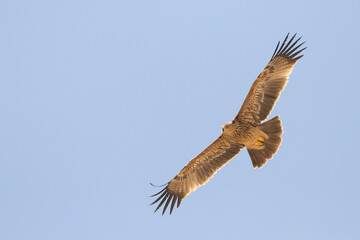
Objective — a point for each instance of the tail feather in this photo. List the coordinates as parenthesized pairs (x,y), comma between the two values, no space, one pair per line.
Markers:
(273,129)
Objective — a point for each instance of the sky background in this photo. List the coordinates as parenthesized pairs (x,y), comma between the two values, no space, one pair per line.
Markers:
(100,98)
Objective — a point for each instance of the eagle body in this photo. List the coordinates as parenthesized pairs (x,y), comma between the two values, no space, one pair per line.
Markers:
(245,133)
(248,129)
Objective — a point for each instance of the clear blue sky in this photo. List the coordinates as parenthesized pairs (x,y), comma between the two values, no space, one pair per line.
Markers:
(99,98)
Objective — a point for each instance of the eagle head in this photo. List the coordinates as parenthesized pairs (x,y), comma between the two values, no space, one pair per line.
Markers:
(230,126)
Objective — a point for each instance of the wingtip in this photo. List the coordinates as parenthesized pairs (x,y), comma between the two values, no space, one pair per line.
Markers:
(158,192)
(288,48)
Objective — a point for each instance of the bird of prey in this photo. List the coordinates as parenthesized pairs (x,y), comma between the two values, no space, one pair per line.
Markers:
(247,129)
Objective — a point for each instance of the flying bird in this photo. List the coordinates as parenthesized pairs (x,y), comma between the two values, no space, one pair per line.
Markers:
(247,129)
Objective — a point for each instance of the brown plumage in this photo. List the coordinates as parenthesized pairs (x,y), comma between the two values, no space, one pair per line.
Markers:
(247,129)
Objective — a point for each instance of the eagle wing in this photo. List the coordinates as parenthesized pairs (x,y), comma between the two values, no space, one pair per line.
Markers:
(197,172)
(266,89)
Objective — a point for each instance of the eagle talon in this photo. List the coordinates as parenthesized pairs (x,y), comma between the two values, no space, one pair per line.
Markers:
(260,141)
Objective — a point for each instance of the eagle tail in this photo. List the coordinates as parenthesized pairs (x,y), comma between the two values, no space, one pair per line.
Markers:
(273,129)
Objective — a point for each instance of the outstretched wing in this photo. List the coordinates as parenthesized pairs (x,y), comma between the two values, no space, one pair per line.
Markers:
(197,172)
(266,89)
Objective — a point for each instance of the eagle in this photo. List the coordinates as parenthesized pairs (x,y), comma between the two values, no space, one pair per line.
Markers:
(247,129)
